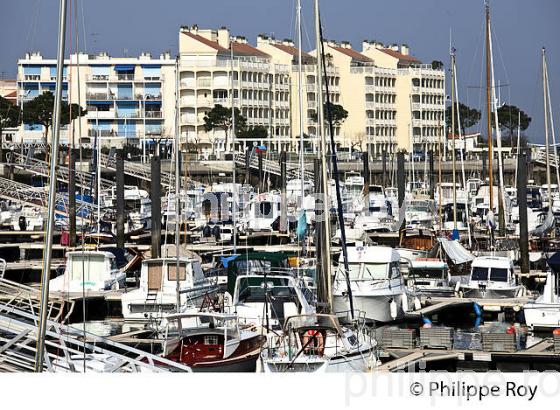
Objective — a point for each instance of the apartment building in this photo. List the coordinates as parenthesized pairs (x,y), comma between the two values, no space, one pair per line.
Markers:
(216,68)
(393,100)
(285,53)
(128,100)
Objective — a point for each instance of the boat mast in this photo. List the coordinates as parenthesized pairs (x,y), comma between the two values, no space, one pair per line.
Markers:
(518,143)
(47,258)
(177,193)
(234,195)
(501,199)
(455,232)
(489,108)
(461,150)
(555,156)
(546,142)
(300,101)
(325,252)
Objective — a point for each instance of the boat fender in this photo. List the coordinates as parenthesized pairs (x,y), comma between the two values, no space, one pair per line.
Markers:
(207,231)
(417,304)
(457,286)
(477,310)
(404,302)
(393,309)
(216,232)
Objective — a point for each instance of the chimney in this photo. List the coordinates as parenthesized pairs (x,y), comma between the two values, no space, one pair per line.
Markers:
(262,39)
(394,47)
(366,45)
(346,44)
(288,42)
(405,50)
(378,45)
(223,37)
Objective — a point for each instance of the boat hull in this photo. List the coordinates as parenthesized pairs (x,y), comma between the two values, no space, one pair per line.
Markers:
(542,315)
(375,307)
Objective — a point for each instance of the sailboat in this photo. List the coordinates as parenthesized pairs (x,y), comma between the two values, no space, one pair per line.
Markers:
(545,310)
(317,342)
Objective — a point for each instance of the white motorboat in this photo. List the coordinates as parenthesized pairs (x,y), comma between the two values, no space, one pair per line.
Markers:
(544,312)
(491,277)
(444,193)
(419,214)
(261,212)
(429,277)
(377,286)
(89,271)
(157,293)
(318,343)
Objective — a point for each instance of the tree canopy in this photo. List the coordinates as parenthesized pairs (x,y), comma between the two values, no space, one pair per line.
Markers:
(220,117)
(469,117)
(40,111)
(437,65)
(257,132)
(508,119)
(337,111)
(10,115)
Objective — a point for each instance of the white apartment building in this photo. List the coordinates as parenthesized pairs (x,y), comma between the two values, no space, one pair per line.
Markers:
(128,100)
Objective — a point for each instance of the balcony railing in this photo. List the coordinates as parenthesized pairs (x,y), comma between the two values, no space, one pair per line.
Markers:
(98,96)
(125,77)
(98,77)
(32,77)
(128,114)
(153,114)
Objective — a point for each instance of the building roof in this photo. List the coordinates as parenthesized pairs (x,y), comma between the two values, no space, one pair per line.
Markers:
(402,57)
(238,48)
(204,40)
(247,49)
(354,54)
(294,51)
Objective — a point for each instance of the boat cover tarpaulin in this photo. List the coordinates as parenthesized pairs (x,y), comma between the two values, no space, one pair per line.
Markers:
(455,251)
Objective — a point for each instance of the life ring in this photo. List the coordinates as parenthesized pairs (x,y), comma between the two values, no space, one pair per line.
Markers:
(313,342)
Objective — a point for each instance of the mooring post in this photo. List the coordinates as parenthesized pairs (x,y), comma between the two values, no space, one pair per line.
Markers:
(401,181)
(72,197)
(432,176)
(156,204)
(384,168)
(261,176)
(522,202)
(283,199)
(366,175)
(120,197)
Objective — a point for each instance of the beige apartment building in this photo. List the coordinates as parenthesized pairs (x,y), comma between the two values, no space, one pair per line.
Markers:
(216,68)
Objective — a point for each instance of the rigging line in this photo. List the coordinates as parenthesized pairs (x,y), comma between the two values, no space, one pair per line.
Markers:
(83,26)
(30,40)
(474,58)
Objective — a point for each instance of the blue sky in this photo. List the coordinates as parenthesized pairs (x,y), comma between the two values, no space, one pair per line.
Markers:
(521,28)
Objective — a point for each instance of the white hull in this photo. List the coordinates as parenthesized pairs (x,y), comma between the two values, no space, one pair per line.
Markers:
(376,307)
(360,361)
(542,315)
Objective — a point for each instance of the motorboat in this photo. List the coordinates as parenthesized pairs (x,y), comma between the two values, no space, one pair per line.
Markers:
(429,277)
(419,214)
(262,211)
(319,343)
(157,292)
(444,193)
(378,288)
(544,311)
(491,277)
(211,342)
(354,183)
(264,290)
(89,271)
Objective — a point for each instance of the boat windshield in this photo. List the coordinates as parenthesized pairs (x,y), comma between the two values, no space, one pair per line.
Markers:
(479,273)
(367,271)
(90,267)
(427,273)
(499,274)
(252,289)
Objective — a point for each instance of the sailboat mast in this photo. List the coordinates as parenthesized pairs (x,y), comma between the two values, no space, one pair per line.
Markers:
(177,192)
(300,101)
(325,252)
(453,141)
(47,258)
(546,138)
(489,107)
(234,174)
(551,116)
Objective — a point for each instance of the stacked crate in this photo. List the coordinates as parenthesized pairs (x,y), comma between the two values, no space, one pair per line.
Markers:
(436,337)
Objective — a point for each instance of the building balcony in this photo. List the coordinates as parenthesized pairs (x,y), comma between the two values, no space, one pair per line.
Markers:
(98,96)
(189,119)
(98,77)
(204,83)
(128,114)
(153,114)
(101,115)
(32,77)
(124,77)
